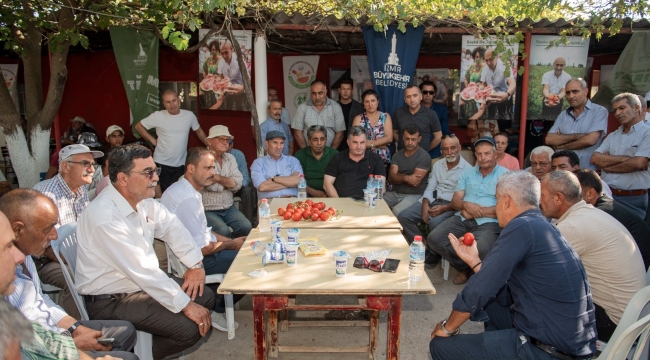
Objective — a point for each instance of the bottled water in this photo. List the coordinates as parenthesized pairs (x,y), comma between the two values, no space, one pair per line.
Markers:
(302,188)
(416,259)
(265,216)
(380,187)
(370,182)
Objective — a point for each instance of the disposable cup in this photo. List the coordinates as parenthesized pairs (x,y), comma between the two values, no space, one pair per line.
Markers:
(291,254)
(372,200)
(341,262)
(292,235)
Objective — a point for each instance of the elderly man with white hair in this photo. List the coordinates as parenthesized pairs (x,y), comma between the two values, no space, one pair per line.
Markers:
(540,161)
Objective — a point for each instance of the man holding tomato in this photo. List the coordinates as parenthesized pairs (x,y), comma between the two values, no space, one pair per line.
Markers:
(276,174)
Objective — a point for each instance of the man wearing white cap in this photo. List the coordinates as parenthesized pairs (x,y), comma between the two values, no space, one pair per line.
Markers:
(114,136)
(78,126)
(67,191)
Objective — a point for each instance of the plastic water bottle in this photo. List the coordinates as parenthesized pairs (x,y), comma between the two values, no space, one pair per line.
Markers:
(380,187)
(371,180)
(302,188)
(265,216)
(416,259)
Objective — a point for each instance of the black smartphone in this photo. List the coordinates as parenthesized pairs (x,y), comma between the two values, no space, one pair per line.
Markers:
(108,342)
(390,265)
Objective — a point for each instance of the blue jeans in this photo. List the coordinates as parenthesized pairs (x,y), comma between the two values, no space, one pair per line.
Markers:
(500,341)
(638,203)
(220,220)
(219,263)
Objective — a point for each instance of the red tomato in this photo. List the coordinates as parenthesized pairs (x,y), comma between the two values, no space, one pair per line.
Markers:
(306,215)
(333,209)
(331,212)
(309,202)
(308,212)
(281,211)
(300,203)
(289,206)
(296,217)
(287,215)
(324,216)
(315,217)
(468,239)
(321,205)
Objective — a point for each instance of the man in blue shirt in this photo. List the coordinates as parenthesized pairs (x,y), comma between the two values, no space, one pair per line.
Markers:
(276,174)
(474,201)
(274,123)
(531,291)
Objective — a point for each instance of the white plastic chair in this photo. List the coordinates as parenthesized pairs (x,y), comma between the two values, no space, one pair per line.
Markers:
(623,346)
(67,246)
(638,308)
(175,267)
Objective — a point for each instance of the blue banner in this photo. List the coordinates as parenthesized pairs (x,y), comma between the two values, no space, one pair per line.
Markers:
(392,57)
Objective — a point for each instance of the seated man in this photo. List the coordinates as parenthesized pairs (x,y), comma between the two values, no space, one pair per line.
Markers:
(276,174)
(33,218)
(247,193)
(68,191)
(408,172)
(540,161)
(220,210)
(347,173)
(314,159)
(525,314)
(474,200)
(608,252)
(592,193)
(274,123)
(568,160)
(117,268)
(183,199)
(436,200)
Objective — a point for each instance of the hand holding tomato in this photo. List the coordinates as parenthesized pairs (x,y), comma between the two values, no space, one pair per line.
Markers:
(468,239)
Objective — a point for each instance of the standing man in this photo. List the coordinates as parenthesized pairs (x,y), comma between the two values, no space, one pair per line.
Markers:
(608,252)
(274,123)
(314,159)
(319,110)
(429,90)
(581,127)
(172,128)
(424,118)
(474,200)
(408,172)
(435,204)
(347,173)
(276,174)
(525,315)
(623,156)
(553,83)
(350,107)
(117,268)
(273,95)
(220,211)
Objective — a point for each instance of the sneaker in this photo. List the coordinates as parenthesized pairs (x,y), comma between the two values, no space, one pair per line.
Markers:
(219,321)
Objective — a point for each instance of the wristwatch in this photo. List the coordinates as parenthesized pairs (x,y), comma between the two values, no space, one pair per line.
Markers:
(450,333)
(198,265)
(74,327)
(273,178)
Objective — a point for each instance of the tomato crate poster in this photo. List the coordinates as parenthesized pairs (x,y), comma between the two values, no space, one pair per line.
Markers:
(299,72)
(488,83)
(550,69)
(220,81)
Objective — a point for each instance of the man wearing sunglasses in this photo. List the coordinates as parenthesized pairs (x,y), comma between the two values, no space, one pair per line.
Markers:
(117,268)
(429,91)
(68,192)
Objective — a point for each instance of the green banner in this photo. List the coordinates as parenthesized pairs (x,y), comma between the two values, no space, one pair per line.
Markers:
(136,52)
(631,72)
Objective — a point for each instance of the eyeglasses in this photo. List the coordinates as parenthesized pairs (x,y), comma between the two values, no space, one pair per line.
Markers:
(223,140)
(84,163)
(540,164)
(361,263)
(427,92)
(149,173)
(448,136)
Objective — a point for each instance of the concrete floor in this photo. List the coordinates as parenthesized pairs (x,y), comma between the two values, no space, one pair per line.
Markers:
(419,314)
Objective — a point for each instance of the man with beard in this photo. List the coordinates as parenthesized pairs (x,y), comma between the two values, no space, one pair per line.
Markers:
(184,200)
(117,269)
(553,83)
(434,206)
(319,110)
(314,159)
(350,107)
(474,199)
(274,123)
(414,113)
(581,127)
(408,172)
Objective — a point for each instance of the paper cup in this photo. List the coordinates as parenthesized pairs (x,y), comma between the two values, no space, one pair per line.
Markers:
(372,199)
(276,227)
(341,262)
(291,254)
(292,235)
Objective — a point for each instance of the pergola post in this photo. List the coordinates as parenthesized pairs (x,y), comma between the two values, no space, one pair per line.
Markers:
(524,99)
(261,84)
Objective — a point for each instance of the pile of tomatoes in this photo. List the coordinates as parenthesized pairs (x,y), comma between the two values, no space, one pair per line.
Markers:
(307,210)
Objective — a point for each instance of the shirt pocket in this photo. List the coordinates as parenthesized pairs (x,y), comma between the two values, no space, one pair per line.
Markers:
(329,121)
(631,150)
(472,187)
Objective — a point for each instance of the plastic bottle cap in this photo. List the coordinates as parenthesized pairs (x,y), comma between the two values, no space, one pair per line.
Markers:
(371,175)
(302,176)
(417,238)
(264,200)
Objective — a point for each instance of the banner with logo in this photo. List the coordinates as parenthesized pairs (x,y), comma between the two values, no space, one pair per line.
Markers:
(221,86)
(631,72)
(360,74)
(299,72)
(10,74)
(486,79)
(136,52)
(550,69)
(392,58)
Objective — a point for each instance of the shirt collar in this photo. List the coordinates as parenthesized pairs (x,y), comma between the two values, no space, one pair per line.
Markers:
(120,202)
(633,127)
(589,105)
(272,119)
(328,101)
(580,204)
(282,156)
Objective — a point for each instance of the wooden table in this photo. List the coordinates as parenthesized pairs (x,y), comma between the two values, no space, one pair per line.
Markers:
(315,276)
(356,215)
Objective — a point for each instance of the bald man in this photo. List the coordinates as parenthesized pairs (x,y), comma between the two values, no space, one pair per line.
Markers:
(553,83)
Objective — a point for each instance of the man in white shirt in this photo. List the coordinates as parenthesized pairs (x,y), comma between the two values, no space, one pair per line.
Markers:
(33,218)
(184,200)
(553,83)
(117,268)
(172,128)
(228,67)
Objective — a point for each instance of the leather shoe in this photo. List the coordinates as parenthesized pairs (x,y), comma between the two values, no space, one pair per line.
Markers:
(461,278)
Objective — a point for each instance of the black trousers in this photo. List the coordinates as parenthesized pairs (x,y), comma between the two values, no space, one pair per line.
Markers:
(169,175)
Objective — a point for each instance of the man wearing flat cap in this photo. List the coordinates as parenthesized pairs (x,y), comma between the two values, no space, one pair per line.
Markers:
(276,174)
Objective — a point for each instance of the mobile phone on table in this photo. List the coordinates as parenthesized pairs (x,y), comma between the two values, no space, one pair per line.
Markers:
(390,265)
(108,341)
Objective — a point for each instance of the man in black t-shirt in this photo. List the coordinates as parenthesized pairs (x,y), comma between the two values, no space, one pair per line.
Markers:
(350,107)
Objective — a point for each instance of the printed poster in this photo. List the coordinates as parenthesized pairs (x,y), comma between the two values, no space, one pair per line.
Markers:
(299,72)
(221,86)
(10,75)
(360,74)
(550,70)
(440,77)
